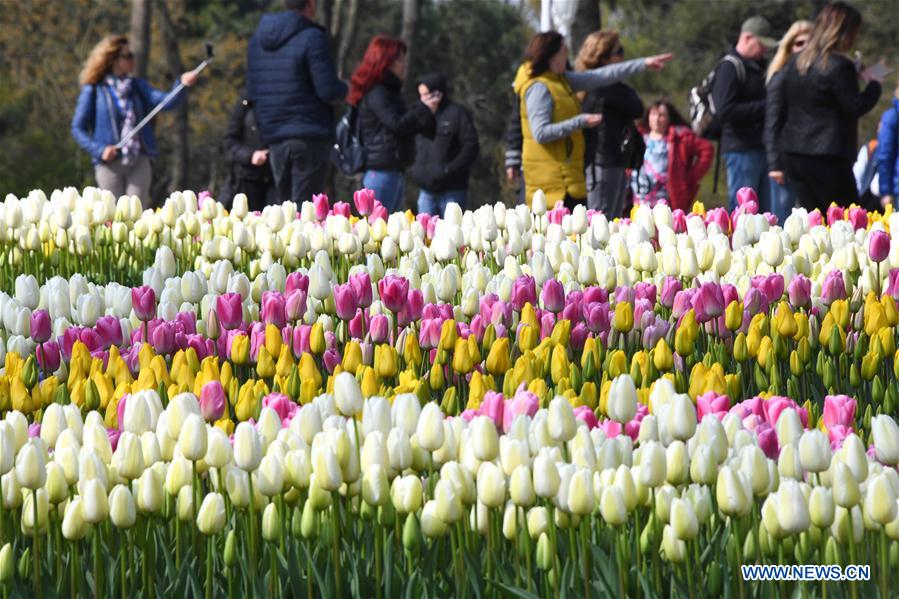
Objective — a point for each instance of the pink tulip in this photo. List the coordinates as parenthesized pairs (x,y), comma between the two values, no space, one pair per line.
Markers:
(878,246)
(212,401)
(524,402)
(775,405)
(295,305)
(296,280)
(814,218)
(547,323)
(412,309)
(273,309)
(632,428)
(647,291)
(394,292)
(114,435)
(355,325)
(41,328)
(364,199)
(720,217)
(345,301)
(143,302)
(839,410)
(833,288)
(679,221)
(322,206)
(835,213)
(163,338)
(586,414)
(749,407)
(379,212)
(709,302)
(282,405)
(595,294)
(48,356)
(229,309)
(670,288)
(380,328)
(800,291)
(301,339)
(746,194)
(767,440)
(469,415)
(492,406)
(341,209)
(837,434)
(361,283)
(330,359)
(712,403)
(576,339)
(859,218)
(552,295)
(893,284)
(524,290)
(611,428)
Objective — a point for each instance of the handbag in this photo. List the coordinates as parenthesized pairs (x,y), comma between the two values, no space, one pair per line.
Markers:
(633,148)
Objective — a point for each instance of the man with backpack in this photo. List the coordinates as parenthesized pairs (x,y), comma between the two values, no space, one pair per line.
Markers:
(292,82)
(738,103)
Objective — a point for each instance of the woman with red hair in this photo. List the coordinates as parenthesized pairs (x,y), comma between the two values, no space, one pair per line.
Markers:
(386,125)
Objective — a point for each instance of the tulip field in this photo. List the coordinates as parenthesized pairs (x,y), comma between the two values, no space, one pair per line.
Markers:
(328,401)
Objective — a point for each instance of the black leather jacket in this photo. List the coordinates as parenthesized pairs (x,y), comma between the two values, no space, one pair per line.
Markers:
(388,128)
(819,111)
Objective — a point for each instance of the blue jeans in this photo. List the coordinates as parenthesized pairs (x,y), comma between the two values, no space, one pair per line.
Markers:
(782,201)
(388,187)
(435,203)
(748,168)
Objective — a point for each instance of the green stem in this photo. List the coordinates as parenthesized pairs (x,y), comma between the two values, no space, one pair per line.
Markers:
(210,541)
(585,523)
(335,545)
(884,565)
(37,546)
(96,543)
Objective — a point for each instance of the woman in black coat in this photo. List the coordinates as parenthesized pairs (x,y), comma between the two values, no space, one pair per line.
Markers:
(387,126)
(250,171)
(608,186)
(816,111)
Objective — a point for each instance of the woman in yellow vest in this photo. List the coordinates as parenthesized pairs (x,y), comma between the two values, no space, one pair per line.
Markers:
(551,120)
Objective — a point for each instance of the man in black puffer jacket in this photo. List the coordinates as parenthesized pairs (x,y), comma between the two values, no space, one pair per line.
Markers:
(442,164)
(292,81)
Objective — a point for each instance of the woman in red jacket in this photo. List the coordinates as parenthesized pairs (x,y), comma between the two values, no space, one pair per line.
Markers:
(675,161)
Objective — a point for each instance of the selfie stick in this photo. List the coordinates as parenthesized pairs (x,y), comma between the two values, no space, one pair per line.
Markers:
(165,101)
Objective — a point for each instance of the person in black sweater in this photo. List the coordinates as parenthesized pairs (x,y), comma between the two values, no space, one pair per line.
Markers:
(387,126)
(608,186)
(738,96)
(818,107)
(514,141)
(251,173)
(442,164)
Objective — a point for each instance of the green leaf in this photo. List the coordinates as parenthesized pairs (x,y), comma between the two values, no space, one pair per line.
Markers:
(517,592)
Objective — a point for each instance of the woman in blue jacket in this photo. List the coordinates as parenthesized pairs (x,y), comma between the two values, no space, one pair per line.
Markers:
(888,153)
(112,102)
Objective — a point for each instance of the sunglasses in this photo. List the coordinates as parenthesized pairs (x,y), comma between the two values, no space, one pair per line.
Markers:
(799,43)
(126,55)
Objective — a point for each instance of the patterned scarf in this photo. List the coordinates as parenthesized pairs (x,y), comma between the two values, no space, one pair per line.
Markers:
(122,89)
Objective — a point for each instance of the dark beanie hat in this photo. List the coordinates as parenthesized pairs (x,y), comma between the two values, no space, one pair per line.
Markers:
(435,82)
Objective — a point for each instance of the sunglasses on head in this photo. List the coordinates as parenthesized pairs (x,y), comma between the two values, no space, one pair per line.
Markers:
(126,55)
(800,43)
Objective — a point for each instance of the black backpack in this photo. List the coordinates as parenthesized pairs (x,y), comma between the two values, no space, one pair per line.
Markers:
(348,153)
(702,107)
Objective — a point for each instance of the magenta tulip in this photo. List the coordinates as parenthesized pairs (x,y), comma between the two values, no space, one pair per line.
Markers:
(295,305)
(839,410)
(143,302)
(110,331)
(229,309)
(341,208)
(48,356)
(273,309)
(709,302)
(833,288)
(361,283)
(834,214)
(41,328)
(712,403)
(552,296)
(800,291)
(878,246)
(524,290)
(364,199)
(586,414)
(380,328)
(282,405)
(212,401)
(345,301)
(322,206)
(858,217)
(492,406)
(394,292)
(296,280)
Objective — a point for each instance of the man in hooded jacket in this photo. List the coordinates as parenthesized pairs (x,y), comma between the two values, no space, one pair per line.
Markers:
(292,82)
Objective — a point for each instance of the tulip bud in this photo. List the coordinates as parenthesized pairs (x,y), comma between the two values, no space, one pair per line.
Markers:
(411,535)
(545,555)
(230,553)
(271,524)
(7,564)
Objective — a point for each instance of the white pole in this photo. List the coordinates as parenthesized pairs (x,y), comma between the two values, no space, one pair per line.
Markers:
(546,23)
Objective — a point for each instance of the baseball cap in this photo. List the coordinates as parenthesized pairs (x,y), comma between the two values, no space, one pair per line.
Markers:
(761,29)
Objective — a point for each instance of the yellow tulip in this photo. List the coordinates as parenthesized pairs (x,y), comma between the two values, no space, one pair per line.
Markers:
(246,407)
(474,350)
(498,358)
(559,364)
(448,335)
(875,318)
(765,352)
(785,321)
(529,315)
(273,340)
(352,357)
(561,332)
(588,395)
(265,365)
(285,363)
(733,315)
(617,363)
(889,310)
(840,311)
(624,317)
(411,351)
(663,359)
(370,384)
(462,362)
(385,361)
(309,371)
(477,388)
(528,337)
(240,349)
(317,339)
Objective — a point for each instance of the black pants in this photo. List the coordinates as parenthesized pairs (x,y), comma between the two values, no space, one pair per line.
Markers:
(299,167)
(820,180)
